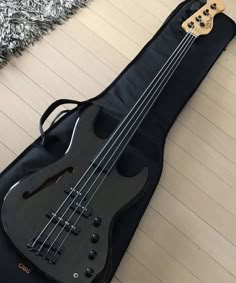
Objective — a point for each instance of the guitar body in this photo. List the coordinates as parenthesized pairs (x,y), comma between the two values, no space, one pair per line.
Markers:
(32,203)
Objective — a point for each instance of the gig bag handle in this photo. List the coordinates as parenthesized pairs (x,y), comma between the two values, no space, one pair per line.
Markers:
(49,111)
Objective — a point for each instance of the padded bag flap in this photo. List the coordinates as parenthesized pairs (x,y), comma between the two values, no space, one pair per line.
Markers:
(116,101)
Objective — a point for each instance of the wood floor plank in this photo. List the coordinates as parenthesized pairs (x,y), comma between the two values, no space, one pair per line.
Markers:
(200,176)
(214,113)
(25,88)
(138,14)
(156,8)
(200,203)
(23,115)
(7,157)
(232,47)
(121,21)
(115,280)
(160,263)
(204,153)
(28,91)
(45,78)
(230,8)
(12,133)
(223,76)
(95,44)
(183,249)
(196,229)
(65,69)
(132,271)
(88,62)
(109,33)
(228,60)
(219,94)
(207,131)
(172,4)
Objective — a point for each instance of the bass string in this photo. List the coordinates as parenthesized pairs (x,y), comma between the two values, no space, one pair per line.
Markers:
(110,139)
(149,107)
(55,226)
(66,223)
(93,194)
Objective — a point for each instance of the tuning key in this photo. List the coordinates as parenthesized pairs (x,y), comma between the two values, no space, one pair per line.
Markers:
(191,25)
(199,18)
(206,12)
(213,6)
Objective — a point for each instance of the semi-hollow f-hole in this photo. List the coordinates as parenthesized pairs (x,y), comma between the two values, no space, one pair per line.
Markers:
(50,181)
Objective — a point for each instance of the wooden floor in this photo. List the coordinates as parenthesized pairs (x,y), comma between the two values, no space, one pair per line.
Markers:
(188,234)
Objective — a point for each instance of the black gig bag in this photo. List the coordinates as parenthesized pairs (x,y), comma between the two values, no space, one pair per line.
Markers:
(146,148)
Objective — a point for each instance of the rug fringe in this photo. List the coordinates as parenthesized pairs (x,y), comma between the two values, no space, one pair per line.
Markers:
(22,22)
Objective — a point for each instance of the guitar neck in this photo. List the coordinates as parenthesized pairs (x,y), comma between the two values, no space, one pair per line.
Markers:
(200,23)
(132,121)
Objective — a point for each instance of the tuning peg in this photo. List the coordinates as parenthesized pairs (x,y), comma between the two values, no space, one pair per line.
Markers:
(214,6)
(206,12)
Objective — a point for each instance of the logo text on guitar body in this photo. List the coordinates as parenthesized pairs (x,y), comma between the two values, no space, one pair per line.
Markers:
(24,268)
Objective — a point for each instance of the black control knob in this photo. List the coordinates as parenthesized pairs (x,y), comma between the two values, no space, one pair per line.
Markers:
(89,272)
(95,238)
(97,221)
(92,254)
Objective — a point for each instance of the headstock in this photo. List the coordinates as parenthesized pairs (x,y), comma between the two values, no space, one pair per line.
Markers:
(201,22)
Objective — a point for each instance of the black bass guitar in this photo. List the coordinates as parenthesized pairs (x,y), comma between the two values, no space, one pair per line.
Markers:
(60,218)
